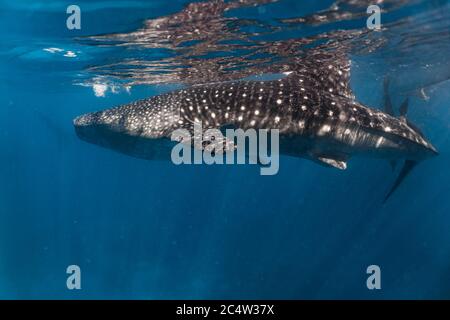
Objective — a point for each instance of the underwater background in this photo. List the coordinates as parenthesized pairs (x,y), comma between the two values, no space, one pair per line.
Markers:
(152,230)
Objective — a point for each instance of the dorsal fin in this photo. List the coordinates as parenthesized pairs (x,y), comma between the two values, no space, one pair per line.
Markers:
(407,167)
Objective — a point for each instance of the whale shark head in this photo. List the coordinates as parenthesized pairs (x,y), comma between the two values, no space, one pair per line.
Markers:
(94,128)
(124,130)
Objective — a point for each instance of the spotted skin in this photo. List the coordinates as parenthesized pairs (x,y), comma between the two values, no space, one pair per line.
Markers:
(313,109)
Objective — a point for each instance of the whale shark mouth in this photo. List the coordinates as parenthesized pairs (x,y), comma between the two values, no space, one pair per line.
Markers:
(89,128)
(89,132)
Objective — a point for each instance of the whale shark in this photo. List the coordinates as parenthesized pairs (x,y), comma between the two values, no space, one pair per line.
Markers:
(312,106)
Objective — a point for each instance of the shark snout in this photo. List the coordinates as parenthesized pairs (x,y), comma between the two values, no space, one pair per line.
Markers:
(86,119)
(101,127)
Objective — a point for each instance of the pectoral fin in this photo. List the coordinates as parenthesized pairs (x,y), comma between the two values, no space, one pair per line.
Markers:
(215,143)
(330,162)
(211,140)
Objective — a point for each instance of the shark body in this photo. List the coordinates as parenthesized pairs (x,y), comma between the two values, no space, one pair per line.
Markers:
(313,108)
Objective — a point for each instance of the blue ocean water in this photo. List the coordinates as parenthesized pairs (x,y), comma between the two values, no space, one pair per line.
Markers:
(152,230)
